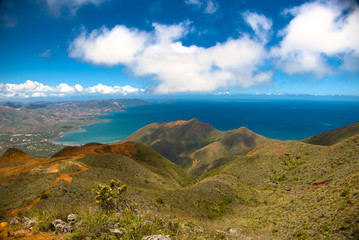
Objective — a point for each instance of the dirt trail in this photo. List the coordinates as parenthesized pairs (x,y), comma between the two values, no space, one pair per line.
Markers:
(64,176)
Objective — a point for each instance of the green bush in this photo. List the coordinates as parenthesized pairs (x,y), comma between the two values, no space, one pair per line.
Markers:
(112,198)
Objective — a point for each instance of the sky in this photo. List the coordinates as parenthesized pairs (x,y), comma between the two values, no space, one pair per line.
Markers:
(122,48)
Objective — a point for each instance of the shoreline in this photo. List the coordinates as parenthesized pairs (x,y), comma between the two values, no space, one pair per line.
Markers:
(79,129)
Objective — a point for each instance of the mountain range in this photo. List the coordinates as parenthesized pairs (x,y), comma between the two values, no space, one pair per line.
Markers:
(257,187)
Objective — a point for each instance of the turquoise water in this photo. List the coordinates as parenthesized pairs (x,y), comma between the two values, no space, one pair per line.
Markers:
(280,119)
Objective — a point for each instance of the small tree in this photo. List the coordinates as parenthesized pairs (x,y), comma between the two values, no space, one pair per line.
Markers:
(112,198)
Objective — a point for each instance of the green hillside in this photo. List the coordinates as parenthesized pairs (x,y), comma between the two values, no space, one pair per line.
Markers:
(258,188)
(197,146)
(334,136)
(300,191)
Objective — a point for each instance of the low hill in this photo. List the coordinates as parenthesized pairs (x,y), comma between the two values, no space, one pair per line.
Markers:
(196,146)
(334,136)
(13,157)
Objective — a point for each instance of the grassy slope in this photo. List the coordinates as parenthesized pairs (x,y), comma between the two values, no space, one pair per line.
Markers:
(299,190)
(142,154)
(334,136)
(175,140)
(197,146)
(135,164)
(283,190)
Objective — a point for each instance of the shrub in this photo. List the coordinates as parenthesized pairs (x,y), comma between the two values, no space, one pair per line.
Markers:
(112,198)
(160,200)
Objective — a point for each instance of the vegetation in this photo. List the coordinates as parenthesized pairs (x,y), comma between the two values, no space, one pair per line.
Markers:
(112,198)
(334,136)
(197,146)
(279,190)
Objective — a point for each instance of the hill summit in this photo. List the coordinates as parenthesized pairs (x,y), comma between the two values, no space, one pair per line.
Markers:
(197,146)
(13,157)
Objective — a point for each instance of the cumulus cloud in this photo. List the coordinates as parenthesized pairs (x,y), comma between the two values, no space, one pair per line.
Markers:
(108,47)
(175,67)
(36,89)
(260,24)
(318,30)
(68,7)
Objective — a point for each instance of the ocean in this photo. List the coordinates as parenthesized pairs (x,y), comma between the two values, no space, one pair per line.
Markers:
(277,119)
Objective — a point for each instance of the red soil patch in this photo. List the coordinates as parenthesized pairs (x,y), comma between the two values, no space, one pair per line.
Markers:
(251,153)
(7,232)
(320,184)
(126,149)
(175,123)
(5,179)
(239,206)
(16,210)
(281,152)
(64,176)
(145,165)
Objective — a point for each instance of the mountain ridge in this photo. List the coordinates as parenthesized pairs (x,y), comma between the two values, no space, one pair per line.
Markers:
(196,145)
(274,190)
(334,136)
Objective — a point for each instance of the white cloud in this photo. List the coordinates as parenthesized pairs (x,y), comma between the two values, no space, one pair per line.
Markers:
(211,7)
(260,24)
(68,7)
(175,67)
(103,89)
(193,2)
(108,47)
(36,89)
(318,30)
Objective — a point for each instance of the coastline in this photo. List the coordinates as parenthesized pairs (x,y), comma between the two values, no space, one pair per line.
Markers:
(293,114)
(62,135)
(80,129)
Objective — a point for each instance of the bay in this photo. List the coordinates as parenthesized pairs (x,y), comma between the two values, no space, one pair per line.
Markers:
(278,119)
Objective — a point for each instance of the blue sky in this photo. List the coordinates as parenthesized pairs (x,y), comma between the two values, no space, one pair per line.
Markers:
(52,48)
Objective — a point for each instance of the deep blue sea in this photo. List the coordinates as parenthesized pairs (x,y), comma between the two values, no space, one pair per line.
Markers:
(278,119)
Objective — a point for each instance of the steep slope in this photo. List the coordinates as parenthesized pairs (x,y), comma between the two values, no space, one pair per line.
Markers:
(175,140)
(14,157)
(299,190)
(136,151)
(75,171)
(279,190)
(219,152)
(334,136)
(196,146)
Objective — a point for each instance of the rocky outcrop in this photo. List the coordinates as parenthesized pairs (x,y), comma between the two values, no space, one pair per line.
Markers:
(64,227)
